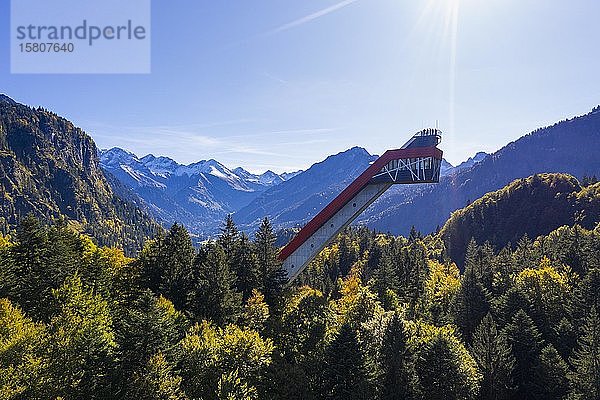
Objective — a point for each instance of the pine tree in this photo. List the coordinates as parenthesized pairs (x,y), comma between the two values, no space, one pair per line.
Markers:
(526,343)
(345,376)
(216,297)
(397,381)
(585,379)
(494,359)
(272,274)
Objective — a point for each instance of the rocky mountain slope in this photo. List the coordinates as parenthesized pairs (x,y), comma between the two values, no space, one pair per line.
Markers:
(50,168)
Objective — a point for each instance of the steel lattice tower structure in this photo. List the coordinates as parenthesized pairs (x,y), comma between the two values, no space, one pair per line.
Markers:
(418,161)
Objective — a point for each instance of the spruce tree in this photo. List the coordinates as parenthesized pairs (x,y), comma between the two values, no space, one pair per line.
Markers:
(82,344)
(471,304)
(150,262)
(8,277)
(345,375)
(586,296)
(216,297)
(397,380)
(245,265)
(30,254)
(229,237)
(149,325)
(415,271)
(494,359)
(585,379)
(385,279)
(177,266)
(525,257)
(66,253)
(551,376)
(526,342)
(272,274)
(502,266)
(347,254)
(445,369)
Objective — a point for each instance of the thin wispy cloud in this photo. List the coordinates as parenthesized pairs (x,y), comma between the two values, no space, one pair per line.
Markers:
(187,143)
(287,132)
(310,17)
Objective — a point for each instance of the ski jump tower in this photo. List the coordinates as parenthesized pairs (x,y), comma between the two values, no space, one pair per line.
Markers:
(418,161)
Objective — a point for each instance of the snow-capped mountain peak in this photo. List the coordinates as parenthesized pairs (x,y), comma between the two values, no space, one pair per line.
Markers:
(160,166)
(270,178)
(117,156)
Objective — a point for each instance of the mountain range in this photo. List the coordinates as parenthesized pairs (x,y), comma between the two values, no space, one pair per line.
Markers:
(202,199)
(53,169)
(201,194)
(198,195)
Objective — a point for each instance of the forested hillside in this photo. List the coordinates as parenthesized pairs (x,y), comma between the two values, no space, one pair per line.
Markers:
(570,146)
(49,168)
(373,317)
(531,206)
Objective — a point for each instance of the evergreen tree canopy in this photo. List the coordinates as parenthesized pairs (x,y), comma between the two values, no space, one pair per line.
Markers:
(346,375)
(494,359)
(272,276)
(585,379)
(216,297)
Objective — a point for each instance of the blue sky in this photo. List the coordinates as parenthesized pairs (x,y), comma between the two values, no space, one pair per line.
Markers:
(273,84)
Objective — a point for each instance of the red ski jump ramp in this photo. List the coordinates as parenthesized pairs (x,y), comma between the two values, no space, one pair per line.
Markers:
(418,161)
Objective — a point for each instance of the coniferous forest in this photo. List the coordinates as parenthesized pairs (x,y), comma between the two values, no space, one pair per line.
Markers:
(373,317)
